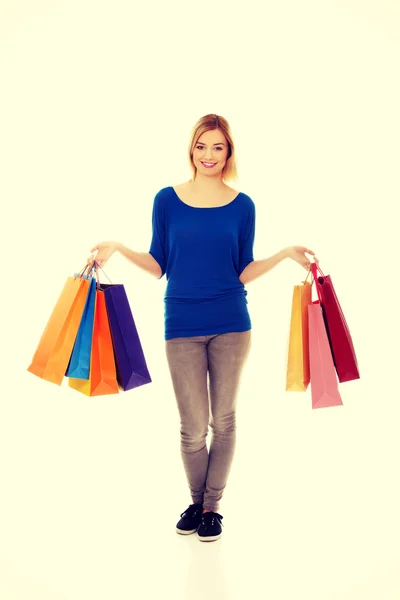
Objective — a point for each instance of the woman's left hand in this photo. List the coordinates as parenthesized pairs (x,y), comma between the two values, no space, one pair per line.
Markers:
(297,253)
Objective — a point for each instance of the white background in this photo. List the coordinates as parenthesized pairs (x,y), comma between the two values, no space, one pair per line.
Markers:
(97,101)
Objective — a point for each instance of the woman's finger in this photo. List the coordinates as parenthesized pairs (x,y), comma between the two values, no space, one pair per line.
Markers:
(91,258)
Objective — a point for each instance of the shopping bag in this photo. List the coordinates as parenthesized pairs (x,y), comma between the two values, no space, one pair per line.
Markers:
(130,361)
(324,383)
(53,352)
(298,362)
(340,341)
(103,376)
(79,364)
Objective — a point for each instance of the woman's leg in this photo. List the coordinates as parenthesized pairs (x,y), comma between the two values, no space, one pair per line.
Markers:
(187,360)
(227,355)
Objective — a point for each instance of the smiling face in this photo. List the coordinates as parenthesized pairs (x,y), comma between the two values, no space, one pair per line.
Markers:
(212,149)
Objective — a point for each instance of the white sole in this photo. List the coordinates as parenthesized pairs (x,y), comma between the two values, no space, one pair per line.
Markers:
(183,532)
(211,538)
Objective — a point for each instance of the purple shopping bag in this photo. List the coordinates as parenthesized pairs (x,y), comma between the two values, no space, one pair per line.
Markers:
(130,362)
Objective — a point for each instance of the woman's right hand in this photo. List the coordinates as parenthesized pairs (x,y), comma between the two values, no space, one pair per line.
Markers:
(104,251)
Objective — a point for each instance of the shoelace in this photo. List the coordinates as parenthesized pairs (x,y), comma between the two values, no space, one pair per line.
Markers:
(191,511)
(209,518)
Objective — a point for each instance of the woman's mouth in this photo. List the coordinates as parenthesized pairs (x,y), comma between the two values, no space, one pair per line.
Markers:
(208,165)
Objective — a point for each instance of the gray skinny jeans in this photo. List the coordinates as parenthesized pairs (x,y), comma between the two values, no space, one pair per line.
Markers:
(190,360)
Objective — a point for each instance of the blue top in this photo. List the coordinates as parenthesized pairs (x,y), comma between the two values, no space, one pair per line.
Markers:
(203,251)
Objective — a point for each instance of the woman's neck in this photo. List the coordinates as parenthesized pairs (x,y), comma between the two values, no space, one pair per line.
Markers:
(206,186)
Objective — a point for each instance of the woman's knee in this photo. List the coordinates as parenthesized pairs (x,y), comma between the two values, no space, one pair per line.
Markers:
(224,423)
(192,439)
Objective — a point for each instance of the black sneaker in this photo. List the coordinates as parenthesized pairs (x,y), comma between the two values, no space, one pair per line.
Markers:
(190,520)
(210,528)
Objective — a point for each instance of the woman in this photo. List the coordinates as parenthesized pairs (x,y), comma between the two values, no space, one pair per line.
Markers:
(203,236)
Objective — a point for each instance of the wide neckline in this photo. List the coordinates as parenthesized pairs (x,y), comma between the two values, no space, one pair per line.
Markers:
(204,207)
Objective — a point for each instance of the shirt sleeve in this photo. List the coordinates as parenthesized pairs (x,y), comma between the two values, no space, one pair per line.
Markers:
(246,244)
(157,247)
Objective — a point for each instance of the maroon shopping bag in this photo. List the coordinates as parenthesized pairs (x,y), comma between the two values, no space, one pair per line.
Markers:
(343,353)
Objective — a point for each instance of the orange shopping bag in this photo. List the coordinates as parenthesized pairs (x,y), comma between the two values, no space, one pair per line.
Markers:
(103,376)
(298,363)
(53,353)
(324,383)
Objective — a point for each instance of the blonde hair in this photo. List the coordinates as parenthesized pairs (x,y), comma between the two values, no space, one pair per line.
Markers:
(209,123)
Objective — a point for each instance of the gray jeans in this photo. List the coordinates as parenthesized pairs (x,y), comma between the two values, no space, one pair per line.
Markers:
(190,360)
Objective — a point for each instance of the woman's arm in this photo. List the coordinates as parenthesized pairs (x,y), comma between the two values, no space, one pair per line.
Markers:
(143,260)
(154,261)
(259,267)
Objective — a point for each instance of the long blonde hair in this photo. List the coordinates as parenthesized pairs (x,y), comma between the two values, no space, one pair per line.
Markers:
(209,123)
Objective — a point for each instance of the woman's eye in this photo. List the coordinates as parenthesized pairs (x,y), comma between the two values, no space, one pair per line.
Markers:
(202,147)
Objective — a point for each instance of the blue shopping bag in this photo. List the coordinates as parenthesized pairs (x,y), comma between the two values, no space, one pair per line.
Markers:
(79,364)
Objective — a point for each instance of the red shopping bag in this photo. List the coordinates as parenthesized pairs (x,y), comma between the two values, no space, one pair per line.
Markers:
(341,344)
(103,376)
(324,383)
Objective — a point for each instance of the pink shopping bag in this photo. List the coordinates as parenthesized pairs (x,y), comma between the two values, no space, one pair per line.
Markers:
(324,383)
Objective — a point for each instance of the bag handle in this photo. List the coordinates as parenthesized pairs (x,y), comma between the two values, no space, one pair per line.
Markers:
(315,268)
(82,272)
(91,270)
(308,274)
(95,266)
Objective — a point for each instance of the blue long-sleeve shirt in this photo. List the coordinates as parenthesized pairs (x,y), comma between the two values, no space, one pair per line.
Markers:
(203,251)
